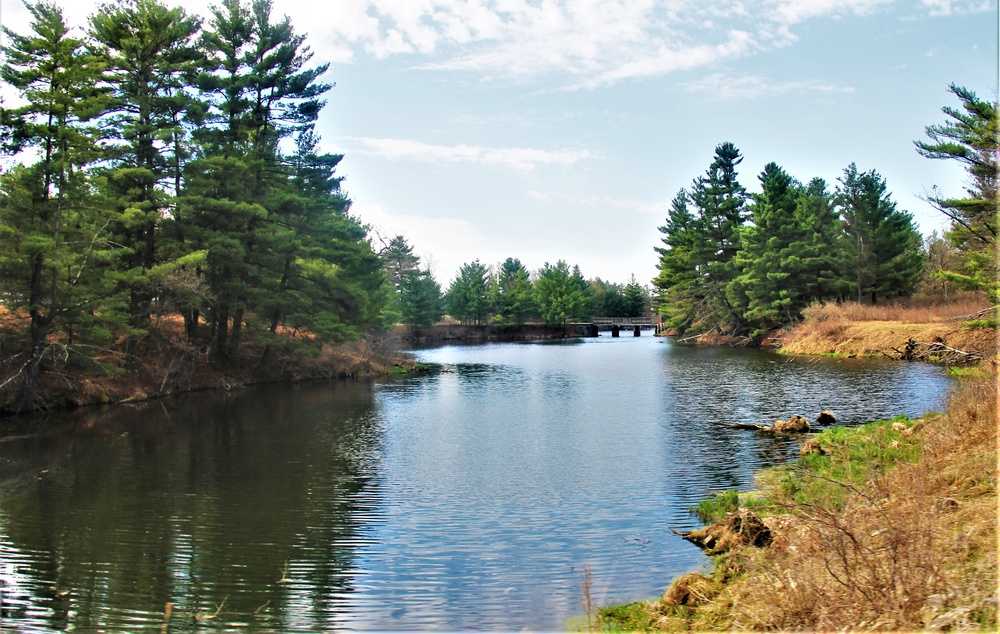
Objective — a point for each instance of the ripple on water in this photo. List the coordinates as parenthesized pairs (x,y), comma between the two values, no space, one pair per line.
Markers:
(469,498)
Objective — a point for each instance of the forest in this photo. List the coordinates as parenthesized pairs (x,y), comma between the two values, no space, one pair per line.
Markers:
(507,294)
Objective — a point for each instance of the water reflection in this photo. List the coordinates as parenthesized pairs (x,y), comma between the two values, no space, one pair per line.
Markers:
(469,498)
(248,500)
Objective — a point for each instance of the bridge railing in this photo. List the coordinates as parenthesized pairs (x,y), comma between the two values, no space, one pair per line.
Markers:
(623,321)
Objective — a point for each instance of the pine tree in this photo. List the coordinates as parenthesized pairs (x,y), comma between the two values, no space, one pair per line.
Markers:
(678,282)
(820,248)
(398,260)
(420,299)
(512,293)
(319,271)
(881,244)
(55,257)
(775,283)
(608,298)
(151,55)
(634,299)
(558,295)
(970,137)
(262,92)
(720,204)
(468,296)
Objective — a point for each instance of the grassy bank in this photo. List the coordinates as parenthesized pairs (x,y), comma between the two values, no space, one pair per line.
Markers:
(889,526)
(859,330)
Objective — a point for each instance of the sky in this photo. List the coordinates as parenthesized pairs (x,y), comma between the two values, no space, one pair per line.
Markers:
(551,130)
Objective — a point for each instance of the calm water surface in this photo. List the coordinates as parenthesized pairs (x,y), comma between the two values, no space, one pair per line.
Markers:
(469,498)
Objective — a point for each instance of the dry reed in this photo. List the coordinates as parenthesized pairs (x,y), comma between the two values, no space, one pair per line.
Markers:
(913,310)
(913,548)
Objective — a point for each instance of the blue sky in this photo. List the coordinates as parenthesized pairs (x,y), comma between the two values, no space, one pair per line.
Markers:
(551,129)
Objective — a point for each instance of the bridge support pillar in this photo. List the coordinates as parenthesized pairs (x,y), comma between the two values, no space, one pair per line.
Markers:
(593,330)
(615,330)
(635,333)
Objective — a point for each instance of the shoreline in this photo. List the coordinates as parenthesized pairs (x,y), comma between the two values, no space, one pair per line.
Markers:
(812,529)
(171,365)
(873,339)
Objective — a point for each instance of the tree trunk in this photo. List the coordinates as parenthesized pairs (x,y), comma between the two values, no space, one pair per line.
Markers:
(220,347)
(191,324)
(29,383)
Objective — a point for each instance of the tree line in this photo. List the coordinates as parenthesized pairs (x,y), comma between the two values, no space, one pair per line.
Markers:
(745,264)
(506,294)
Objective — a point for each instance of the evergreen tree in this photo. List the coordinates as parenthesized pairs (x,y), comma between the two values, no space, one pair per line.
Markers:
(55,255)
(720,202)
(558,295)
(776,282)
(420,299)
(678,282)
(512,293)
(319,271)
(970,137)
(468,296)
(398,260)
(713,237)
(261,92)
(881,244)
(633,299)
(819,249)
(150,51)
(608,298)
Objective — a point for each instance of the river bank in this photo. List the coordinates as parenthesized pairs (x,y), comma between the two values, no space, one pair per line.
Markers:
(888,526)
(952,333)
(164,362)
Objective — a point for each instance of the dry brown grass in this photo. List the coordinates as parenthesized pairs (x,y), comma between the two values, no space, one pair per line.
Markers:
(852,329)
(915,548)
(912,310)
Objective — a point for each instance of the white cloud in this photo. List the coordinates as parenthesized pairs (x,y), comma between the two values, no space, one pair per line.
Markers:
(589,43)
(795,11)
(726,86)
(950,7)
(518,158)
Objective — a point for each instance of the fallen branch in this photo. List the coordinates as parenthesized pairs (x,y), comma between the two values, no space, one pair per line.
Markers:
(747,426)
(924,350)
(977,315)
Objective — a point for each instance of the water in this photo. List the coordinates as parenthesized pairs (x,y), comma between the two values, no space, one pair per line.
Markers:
(469,498)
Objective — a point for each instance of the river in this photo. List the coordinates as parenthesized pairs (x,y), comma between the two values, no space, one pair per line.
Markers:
(472,497)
